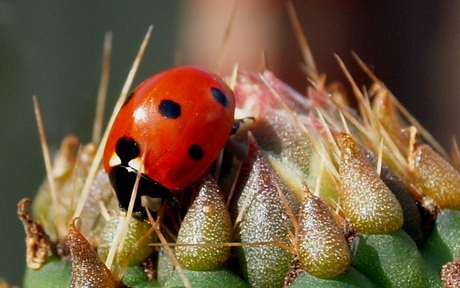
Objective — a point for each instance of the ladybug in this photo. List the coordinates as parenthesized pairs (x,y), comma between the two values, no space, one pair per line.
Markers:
(171,129)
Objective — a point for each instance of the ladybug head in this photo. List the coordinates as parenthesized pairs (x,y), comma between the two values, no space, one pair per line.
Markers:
(127,149)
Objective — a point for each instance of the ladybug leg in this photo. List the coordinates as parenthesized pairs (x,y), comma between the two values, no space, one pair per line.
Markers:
(238,122)
(143,215)
(236,126)
(173,202)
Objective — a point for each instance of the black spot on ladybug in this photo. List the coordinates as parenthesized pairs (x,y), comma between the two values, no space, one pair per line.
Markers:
(169,109)
(219,96)
(128,98)
(195,152)
(127,149)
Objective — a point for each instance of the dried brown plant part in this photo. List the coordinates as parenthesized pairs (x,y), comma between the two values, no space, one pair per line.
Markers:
(87,268)
(294,270)
(37,241)
(450,274)
(150,266)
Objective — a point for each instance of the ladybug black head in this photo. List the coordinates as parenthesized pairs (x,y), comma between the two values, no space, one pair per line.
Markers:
(127,149)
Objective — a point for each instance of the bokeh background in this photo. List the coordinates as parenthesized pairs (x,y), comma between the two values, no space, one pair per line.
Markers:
(52,49)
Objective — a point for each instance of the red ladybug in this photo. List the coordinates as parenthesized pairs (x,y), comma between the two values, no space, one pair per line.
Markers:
(178,121)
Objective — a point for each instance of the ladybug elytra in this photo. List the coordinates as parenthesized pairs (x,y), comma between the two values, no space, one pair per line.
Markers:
(171,129)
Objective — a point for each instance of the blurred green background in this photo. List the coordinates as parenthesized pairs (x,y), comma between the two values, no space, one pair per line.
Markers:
(52,49)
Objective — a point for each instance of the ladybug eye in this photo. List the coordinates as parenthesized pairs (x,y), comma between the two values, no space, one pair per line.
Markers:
(195,152)
(127,149)
(219,96)
(169,109)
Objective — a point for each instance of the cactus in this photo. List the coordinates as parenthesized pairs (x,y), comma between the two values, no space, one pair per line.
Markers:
(309,193)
